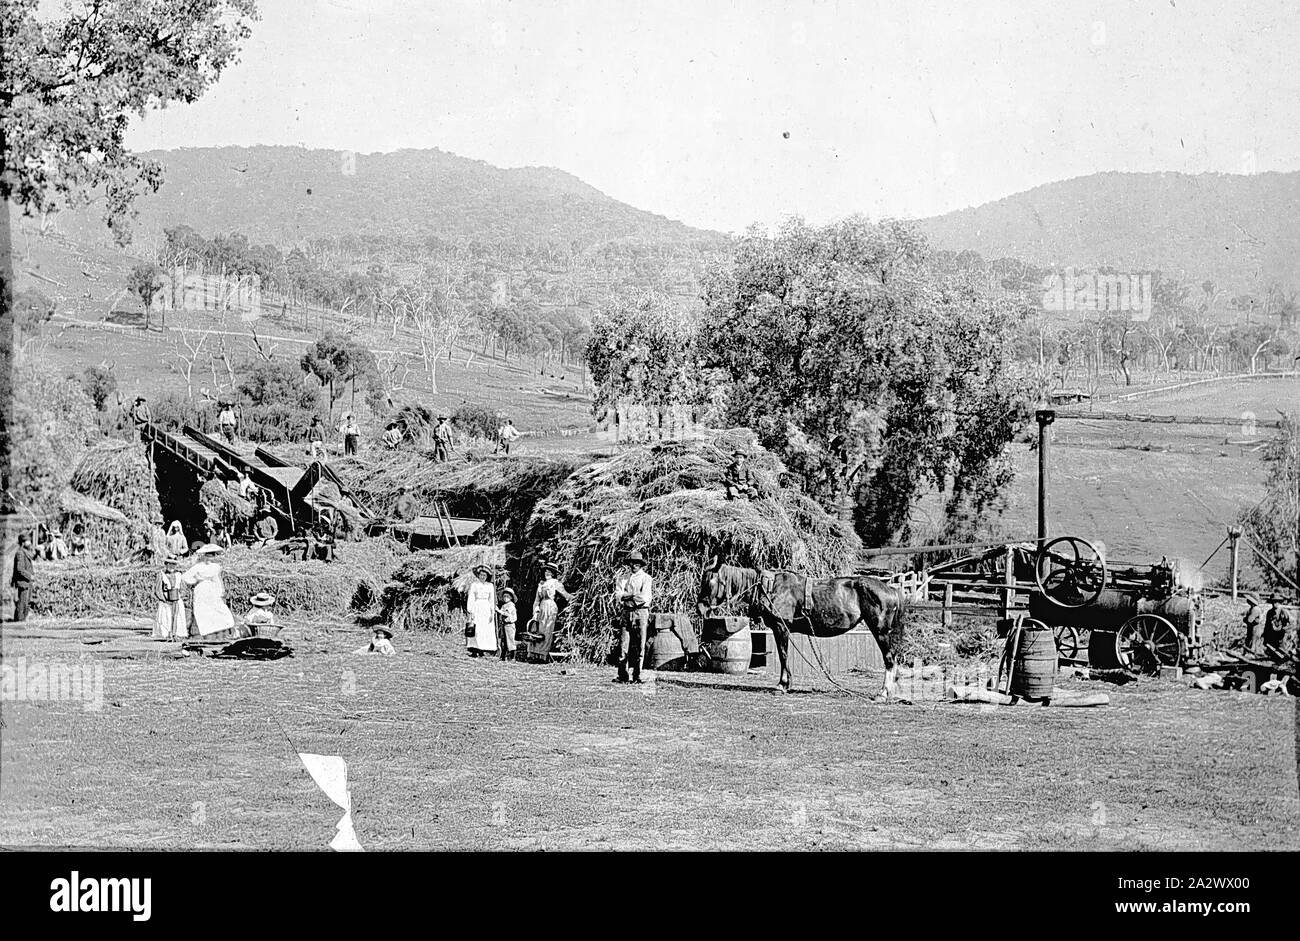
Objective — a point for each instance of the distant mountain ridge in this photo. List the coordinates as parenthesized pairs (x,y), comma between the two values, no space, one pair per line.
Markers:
(1240,231)
(287,195)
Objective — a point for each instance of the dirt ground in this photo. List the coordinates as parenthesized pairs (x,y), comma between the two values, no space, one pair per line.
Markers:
(447,752)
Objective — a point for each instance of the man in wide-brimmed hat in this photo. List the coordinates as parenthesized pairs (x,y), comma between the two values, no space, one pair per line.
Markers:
(633,594)
(22,577)
(739,481)
(442,440)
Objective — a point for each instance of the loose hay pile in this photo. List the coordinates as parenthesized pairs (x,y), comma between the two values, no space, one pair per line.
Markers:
(117,474)
(667,502)
(428,590)
(502,491)
(223,505)
(325,590)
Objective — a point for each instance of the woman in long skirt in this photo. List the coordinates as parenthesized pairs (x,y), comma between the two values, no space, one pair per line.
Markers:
(480,613)
(545,611)
(211,616)
(170,624)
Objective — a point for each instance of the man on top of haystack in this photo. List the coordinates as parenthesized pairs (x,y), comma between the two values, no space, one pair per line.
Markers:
(739,480)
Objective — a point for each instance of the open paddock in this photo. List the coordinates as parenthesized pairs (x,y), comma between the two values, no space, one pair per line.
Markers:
(447,752)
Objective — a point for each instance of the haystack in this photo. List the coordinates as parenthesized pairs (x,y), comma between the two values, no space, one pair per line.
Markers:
(500,490)
(427,592)
(117,473)
(667,502)
(114,475)
(349,585)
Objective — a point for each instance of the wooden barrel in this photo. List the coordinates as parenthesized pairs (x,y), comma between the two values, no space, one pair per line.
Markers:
(1034,673)
(664,649)
(731,653)
(718,628)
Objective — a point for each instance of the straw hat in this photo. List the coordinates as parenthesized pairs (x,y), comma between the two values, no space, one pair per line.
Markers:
(508,592)
(262,600)
(634,556)
(383,632)
(209,549)
(550,567)
(172,562)
(482,568)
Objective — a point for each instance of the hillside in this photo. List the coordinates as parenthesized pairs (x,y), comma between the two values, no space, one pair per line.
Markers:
(1240,232)
(288,195)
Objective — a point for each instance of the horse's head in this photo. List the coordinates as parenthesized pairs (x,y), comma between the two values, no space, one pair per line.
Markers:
(712,591)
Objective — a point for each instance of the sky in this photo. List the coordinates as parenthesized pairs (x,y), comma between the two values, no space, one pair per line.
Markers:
(722,113)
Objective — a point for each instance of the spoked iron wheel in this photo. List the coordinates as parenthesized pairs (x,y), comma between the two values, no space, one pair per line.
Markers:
(1070,572)
(1146,643)
(1067,642)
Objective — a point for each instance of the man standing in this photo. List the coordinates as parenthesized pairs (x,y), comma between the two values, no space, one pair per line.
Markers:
(1254,621)
(22,577)
(1276,627)
(227,420)
(442,440)
(506,435)
(739,481)
(140,414)
(351,434)
(634,595)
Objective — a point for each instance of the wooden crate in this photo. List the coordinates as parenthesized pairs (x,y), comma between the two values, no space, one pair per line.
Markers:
(856,650)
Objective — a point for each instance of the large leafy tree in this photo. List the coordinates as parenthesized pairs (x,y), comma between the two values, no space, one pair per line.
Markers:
(73,81)
(872,373)
(642,350)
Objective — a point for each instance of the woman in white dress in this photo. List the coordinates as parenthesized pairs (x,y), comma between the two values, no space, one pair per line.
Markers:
(480,613)
(545,611)
(211,616)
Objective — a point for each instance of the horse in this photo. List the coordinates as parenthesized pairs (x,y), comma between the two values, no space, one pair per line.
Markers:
(787,602)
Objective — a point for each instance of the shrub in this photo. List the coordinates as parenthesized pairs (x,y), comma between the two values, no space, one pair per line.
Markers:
(476,421)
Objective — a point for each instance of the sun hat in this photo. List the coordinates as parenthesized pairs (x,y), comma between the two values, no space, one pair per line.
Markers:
(508,591)
(634,556)
(262,600)
(209,549)
(481,568)
(384,632)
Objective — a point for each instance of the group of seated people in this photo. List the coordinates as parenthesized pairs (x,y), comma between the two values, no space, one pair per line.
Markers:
(52,547)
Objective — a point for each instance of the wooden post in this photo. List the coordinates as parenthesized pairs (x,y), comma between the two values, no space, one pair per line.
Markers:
(1234,536)
(1045,418)
(1009,582)
(946,617)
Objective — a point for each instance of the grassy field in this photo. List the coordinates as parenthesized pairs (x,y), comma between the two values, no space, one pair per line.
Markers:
(445,752)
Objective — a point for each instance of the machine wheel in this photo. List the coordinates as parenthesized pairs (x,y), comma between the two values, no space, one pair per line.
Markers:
(1146,643)
(1070,572)
(1067,642)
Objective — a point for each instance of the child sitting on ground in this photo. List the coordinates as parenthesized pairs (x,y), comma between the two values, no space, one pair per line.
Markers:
(380,643)
(260,621)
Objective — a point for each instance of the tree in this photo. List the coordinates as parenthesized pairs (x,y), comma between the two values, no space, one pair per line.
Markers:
(145,280)
(642,351)
(1273,524)
(871,375)
(32,310)
(72,83)
(337,361)
(52,427)
(99,383)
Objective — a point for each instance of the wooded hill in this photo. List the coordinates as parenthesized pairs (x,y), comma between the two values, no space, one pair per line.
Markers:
(1239,231)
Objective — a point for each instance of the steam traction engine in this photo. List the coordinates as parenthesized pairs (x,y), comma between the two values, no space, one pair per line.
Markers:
(1138,618)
